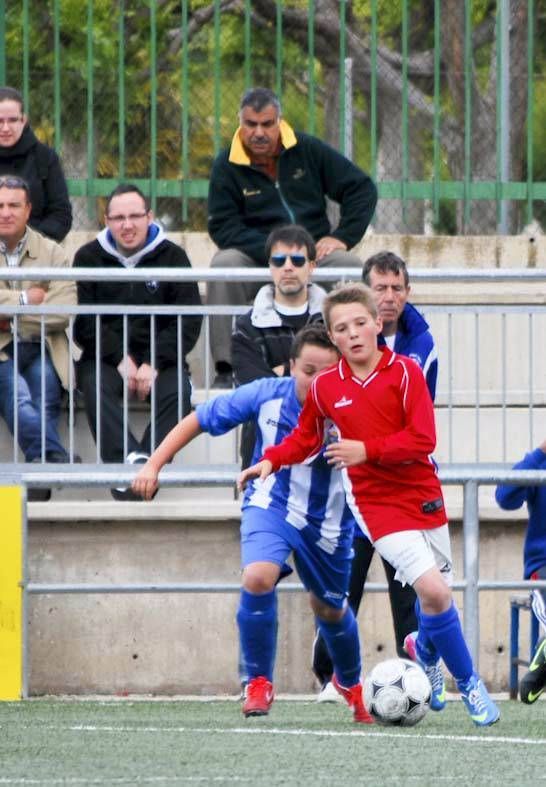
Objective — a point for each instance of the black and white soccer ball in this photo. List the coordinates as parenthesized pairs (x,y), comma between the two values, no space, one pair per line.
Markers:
(397,692)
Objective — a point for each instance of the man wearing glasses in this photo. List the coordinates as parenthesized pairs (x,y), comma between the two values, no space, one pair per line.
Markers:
(36,369)
(21,154)
(138,358)
(262,338)
(272,175)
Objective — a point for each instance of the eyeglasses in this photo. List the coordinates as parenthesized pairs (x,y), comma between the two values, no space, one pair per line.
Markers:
(13,182)
(278,260)
(10,121)
(131,218)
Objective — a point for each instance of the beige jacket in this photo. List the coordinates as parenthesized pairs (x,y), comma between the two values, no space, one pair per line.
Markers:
(40,251)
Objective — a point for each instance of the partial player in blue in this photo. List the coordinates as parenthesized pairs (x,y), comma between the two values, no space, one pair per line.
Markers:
(298,510)
(510,498)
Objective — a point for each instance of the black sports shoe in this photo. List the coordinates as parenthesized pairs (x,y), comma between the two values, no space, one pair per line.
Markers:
(533,682)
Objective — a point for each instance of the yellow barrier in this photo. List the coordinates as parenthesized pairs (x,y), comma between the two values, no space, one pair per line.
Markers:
(11,593)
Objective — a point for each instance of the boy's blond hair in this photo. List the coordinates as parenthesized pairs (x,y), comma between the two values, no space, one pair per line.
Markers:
(349,293)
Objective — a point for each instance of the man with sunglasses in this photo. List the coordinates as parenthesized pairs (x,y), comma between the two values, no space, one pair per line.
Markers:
(27,366)
(21,154)
(132,239)
(270,176)
(262,338)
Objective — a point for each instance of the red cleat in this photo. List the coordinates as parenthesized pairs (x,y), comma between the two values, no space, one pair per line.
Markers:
(353,698)
(259,697)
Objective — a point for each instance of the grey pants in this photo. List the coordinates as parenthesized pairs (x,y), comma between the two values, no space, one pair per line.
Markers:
(227,293)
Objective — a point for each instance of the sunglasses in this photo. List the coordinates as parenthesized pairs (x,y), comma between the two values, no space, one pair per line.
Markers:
(278,260)
(13,182)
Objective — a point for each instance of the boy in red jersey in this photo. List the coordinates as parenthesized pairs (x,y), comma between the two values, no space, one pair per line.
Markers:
(380,405)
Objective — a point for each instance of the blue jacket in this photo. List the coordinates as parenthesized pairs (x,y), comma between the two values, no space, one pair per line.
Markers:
(414,339)
(512,497)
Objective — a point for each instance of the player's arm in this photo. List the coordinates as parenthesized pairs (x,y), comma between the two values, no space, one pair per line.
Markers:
(418,437)
(146,481)
(511,497)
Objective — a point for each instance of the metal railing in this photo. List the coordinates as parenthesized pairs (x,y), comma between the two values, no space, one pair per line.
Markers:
(441,110)
(470,477)
(491,373)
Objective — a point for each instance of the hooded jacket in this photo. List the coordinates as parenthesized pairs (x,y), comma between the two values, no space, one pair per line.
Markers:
(158,252)
(40,167)
(414,339)
(262,338)
(245,204)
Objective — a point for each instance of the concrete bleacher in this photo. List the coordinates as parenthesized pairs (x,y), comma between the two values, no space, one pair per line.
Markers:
(106,644)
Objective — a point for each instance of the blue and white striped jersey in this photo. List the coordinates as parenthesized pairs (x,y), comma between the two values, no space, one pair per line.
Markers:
(310,494)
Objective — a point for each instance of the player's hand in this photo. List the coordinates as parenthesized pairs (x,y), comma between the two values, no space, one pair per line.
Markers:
(327,245)
(128,368)
(146,483)
(260,470)
(345,453)
(144,379)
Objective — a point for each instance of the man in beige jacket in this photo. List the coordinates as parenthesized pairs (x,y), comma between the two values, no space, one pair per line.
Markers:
(21,246)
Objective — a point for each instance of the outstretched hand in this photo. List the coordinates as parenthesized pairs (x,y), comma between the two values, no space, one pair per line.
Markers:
(345,453)
(146,483)
(260,470)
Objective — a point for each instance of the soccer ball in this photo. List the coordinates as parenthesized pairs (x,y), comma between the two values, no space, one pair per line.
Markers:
(397,692)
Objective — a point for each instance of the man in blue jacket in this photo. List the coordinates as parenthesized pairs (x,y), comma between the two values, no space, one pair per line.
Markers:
(272,175)
(405,331)
(510,498)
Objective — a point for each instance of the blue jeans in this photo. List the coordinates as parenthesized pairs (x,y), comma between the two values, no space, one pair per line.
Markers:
(29,399)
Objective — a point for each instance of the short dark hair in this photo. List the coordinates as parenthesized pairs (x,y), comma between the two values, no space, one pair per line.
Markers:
(385,262)
(292,235)
(127,188)
(349,293)
(259,98)
(9,181)
(315,334)
(11,94)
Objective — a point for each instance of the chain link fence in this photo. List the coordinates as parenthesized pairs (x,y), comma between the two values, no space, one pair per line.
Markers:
(439,101)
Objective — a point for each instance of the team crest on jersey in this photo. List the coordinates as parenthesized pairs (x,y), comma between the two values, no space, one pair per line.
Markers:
(343,402)
(152,286)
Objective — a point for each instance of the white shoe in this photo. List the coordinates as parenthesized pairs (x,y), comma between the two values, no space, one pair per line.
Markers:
(329,693)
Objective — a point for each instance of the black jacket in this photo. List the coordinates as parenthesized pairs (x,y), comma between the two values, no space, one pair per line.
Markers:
(40,167)
(165,254)
(262,338)
(245,204)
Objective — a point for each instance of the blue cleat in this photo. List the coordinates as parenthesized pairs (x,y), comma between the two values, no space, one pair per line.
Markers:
(479,704)
(432,671)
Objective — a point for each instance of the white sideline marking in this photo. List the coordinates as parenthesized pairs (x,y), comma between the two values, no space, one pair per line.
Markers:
(315,733)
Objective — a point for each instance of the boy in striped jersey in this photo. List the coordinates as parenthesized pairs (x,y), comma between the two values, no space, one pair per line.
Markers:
(300,510)
(383,413)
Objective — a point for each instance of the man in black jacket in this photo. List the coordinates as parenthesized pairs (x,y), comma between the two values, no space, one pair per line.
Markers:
(22,155)
(263,337)
(131,239)
(272,175)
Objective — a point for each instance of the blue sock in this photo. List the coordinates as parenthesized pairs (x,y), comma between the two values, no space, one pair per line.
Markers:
(445,632)
(426,652)
(342,641)
(257,621)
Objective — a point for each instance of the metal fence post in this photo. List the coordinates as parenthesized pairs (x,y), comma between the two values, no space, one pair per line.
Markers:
(471,559)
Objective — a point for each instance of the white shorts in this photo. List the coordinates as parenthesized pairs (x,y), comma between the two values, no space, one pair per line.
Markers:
(412,552)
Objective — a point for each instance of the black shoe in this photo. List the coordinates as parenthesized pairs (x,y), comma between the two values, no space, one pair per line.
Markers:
(56,457)
(38,494)
(125,493)
(533,682)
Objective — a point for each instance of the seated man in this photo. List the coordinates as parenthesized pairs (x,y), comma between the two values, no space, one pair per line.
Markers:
(272,175)
(262,338)
(132,238)
(21,246)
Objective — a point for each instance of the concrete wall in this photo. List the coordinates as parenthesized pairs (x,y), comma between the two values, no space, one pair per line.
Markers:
(187,643)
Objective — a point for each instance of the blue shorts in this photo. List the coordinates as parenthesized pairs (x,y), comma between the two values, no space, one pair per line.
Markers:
(266,536)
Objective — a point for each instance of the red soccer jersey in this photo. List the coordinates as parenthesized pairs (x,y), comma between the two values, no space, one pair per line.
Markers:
(391,412)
